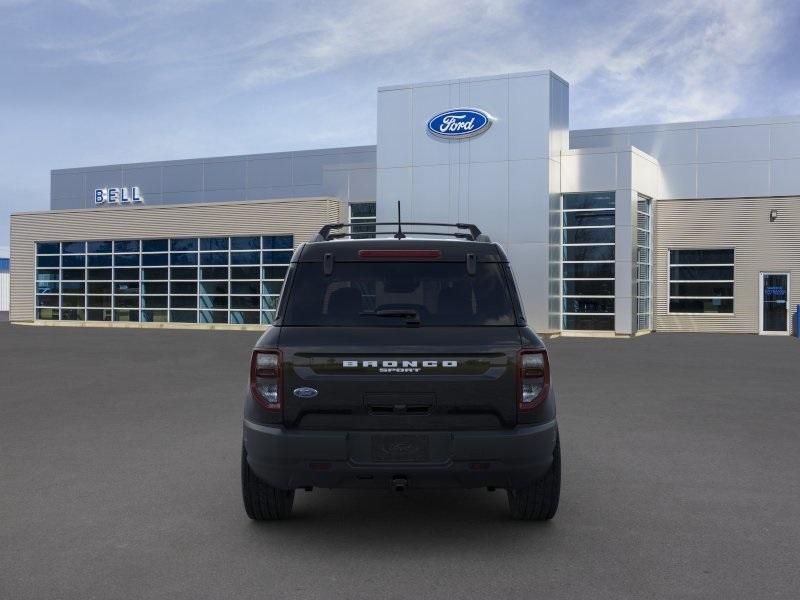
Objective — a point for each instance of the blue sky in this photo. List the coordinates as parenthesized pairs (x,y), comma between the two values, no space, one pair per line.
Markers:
(92,82)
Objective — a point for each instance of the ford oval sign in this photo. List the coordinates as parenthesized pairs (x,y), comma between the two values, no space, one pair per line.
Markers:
(459,123)
(305,392)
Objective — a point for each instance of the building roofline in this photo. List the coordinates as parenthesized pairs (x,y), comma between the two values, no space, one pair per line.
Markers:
(220,159)
(401,86)
(687,125)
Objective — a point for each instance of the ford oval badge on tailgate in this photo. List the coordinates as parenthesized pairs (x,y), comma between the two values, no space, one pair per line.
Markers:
(305,392)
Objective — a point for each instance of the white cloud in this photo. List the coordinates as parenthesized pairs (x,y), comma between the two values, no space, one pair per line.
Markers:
(627,61)
(322,39)
(691,62)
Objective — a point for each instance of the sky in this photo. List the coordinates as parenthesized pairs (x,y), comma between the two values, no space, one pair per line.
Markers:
(93,82)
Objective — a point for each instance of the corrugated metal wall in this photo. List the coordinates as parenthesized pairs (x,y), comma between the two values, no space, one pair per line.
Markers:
(742,224)
(299,217)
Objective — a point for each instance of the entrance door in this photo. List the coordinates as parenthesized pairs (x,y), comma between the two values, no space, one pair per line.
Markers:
(774,317)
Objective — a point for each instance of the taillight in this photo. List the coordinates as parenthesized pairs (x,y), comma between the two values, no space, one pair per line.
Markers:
(534,378)
(265,378)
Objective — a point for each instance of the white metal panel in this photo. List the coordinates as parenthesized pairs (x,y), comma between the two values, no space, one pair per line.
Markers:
(785,141)
(4,291)
(589,172)
(559,116)
(624,311)
(492,96)
(66,185)
(394,128)
(785,177)
(609,140)
(528,206)
(683,150)
(678,181)
(530,264)
(528,99)
(644,174)
(733,179)
(728,144)
(393,185)
(488,198)
(667,147)
(427,102)
(430,186)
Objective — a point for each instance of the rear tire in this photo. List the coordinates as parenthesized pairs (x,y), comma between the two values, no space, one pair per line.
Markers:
(262,502)
(538,501)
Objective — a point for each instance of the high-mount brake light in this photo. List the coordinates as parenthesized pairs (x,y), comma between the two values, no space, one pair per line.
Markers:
(533,378)
(265,378)
(399,254)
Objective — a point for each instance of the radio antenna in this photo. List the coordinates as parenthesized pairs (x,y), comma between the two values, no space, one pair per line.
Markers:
(399,235)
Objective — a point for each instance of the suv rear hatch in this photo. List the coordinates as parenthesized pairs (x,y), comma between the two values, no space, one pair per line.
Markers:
(400,341)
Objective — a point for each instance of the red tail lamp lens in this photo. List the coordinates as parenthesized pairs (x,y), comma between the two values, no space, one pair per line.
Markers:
(534,378)
(265,378)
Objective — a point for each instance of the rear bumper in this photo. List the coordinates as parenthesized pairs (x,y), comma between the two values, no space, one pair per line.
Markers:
(290,459)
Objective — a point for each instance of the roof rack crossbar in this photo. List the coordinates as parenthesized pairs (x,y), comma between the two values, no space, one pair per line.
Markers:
(325,233)
(464,236)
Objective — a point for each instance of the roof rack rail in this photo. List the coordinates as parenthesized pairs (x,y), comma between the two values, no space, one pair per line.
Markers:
(328,232)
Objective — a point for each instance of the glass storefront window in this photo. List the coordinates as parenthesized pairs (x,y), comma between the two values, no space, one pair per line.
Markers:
(362,219)
(220,243)
(245,243)
(643,263)
(183,258)
(73,260)
(183,280)
(701,281)
(126,246)
(100,260)
(99,247)
(587,268)
(183,244)
(244,258)
(277,242)
(47,261)
(48,248)
(73,247)
(154,245)
(214,258)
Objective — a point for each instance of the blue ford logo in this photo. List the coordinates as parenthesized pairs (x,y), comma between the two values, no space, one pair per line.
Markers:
(460,123)
(305,392)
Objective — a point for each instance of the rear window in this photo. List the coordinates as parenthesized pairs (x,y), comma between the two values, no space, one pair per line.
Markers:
(389,294)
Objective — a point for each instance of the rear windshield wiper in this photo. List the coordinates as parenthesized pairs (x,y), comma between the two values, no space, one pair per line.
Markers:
(412,316)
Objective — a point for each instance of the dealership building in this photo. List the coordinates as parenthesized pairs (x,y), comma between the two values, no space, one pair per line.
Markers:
(617,231)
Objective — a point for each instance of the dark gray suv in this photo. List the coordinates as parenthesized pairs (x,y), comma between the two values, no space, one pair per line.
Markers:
(400,362)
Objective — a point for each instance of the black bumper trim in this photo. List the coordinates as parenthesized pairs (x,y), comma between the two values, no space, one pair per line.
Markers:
(290,459)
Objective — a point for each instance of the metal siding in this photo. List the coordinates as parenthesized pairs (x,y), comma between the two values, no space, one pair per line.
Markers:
(759,245)
(299,217)
(248,177)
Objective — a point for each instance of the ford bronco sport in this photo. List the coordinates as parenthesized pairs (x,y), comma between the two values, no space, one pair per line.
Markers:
(401,362)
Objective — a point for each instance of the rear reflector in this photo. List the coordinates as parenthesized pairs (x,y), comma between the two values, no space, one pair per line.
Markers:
(399,254)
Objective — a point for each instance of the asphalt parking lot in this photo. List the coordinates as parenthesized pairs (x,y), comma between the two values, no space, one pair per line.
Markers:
(119,478)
